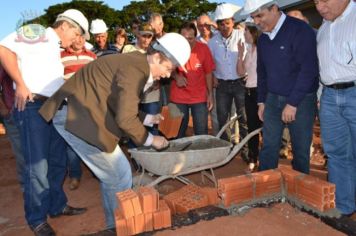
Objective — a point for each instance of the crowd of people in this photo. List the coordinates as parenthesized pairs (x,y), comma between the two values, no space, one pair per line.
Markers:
(73,101)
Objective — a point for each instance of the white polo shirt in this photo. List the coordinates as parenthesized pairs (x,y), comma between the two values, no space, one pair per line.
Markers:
(224,51)
(337,48)
(39,62)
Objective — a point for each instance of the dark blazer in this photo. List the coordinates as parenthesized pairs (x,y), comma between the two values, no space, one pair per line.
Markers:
(103,100)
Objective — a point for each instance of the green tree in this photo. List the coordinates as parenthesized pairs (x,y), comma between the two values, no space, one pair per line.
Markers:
(174,12)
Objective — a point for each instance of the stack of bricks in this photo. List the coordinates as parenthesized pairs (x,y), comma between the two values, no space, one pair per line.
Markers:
(191,197)
(310,190)
(245,188)
(141,211)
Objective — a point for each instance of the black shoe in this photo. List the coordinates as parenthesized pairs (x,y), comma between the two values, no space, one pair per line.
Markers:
(43,229)
(105,232)
(70,211)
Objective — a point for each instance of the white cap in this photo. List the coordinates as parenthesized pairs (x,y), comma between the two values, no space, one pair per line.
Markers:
(175,47)
(225,11)
(98,26)
(253,5)
(78,18)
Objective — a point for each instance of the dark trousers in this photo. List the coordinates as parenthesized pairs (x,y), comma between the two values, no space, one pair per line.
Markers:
(227,92)
(253,122)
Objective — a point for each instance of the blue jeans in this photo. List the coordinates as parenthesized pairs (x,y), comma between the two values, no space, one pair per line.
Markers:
(200,118)
(226,93)
(74,167)
(338,132)
(301,132)
(112,169)
(13,133)
(45,156)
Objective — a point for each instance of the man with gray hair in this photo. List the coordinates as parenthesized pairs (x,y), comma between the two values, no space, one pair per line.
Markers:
(337,60)
(35,66)
(287,72)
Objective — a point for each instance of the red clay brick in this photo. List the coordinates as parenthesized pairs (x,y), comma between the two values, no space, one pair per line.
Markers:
(157,220)
(125,204)
(148,222)
(120,221)
(289,176)
(212,194)
(148,198)
(235,182)
(166,214)
(170,125)
(139,223)
(314,184)
(130,222)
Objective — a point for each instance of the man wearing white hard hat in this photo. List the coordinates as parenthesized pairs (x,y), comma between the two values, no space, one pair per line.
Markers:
(287,81)
(101,47)
(31,56)
(99,105)
(229,85)
(336,42)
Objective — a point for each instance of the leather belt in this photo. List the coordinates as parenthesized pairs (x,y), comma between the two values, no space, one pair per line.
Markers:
(39,97)
(341,85)
(230,81)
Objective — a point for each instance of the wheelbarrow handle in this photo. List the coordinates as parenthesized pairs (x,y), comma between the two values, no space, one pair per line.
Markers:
(222,130)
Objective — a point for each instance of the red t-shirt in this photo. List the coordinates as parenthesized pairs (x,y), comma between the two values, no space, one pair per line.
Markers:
(199,64)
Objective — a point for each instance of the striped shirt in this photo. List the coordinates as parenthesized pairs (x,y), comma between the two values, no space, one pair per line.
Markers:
(337,48)
(72,61)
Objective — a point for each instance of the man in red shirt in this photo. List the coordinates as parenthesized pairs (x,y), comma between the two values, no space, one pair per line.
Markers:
(192,89)
(74,58)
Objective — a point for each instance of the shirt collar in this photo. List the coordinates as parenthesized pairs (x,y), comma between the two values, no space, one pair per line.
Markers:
(277,27)
(347,10)
(149,82)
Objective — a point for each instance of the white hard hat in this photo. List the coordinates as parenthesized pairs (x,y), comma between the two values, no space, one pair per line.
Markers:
(175,47)
(253,5)
(78,18)
(98,26)
(225,11)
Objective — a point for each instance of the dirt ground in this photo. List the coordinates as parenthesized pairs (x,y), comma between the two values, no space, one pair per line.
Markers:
(281,219)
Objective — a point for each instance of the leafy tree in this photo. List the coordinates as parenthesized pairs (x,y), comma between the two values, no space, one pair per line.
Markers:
(174,12)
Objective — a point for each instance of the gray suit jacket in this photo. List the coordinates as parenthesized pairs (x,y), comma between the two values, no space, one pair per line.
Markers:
(103,100)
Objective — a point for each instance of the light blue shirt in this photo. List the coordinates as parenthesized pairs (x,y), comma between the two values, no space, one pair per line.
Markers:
(224,51)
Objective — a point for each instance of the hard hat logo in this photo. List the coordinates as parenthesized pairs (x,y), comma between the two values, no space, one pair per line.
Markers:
(175,47)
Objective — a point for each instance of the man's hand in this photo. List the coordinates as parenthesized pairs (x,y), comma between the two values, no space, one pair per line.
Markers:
(240,49)
(157,118)
(288,114)
(22,96)
(215,82)
(261,110)
(159,142)
(181,81)
(210,102)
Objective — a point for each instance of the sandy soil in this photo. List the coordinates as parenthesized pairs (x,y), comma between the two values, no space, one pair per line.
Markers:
(281,219)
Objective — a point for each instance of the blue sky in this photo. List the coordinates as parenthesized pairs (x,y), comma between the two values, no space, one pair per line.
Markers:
(11,10)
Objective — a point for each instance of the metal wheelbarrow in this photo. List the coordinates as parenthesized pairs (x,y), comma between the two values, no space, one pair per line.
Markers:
(205,152)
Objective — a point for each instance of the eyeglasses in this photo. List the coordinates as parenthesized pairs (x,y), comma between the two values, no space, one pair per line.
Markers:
(147,36)
(352,56)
